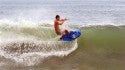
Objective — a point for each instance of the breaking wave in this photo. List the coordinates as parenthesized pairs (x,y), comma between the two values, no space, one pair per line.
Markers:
(31,45)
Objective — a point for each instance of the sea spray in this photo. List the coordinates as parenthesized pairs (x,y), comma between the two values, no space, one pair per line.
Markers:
(30,52)
(32,45)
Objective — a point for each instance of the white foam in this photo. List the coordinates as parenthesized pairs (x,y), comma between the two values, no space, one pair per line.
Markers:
(0,32)
(100,24)
(22,23)
(32,58)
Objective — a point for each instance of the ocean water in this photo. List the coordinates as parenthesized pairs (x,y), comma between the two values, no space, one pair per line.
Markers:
(28,40)
(84,12)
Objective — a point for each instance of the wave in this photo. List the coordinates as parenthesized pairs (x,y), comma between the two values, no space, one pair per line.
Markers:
(32,45)
(31,52)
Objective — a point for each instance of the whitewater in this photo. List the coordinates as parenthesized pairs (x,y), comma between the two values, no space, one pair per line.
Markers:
(28,40)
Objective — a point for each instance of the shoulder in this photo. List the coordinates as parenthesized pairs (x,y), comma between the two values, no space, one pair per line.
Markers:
(56,21)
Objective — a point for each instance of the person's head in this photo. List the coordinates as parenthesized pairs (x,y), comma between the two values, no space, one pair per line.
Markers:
(57,17)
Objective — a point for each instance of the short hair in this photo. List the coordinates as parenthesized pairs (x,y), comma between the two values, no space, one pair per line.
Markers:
(57,16)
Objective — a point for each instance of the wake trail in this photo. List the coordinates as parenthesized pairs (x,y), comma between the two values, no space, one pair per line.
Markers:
(32,45)
(30,52)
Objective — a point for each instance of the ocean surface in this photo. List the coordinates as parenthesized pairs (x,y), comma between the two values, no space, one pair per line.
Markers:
(28,40)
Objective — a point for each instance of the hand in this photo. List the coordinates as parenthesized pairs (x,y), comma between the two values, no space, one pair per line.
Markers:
(65,19)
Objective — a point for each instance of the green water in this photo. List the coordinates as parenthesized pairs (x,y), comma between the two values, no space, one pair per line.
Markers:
(99,48)
(102,48)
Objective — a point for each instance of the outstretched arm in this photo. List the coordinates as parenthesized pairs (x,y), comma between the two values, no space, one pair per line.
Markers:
(62,21)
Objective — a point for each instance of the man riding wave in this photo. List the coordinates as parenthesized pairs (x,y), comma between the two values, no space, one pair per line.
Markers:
(57,24)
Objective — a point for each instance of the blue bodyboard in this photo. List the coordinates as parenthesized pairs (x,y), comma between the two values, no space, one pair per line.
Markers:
(71,36)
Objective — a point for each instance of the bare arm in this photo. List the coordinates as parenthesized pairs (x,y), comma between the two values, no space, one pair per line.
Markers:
(62,21)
